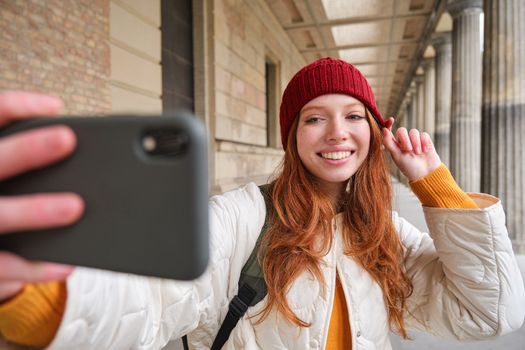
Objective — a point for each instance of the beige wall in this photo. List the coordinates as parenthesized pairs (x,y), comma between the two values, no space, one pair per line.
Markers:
(135,51)
(244,34)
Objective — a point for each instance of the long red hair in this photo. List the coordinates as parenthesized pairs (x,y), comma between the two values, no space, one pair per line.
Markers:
(301,233)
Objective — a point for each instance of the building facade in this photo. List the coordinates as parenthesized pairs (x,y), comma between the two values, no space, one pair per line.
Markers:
(229,62)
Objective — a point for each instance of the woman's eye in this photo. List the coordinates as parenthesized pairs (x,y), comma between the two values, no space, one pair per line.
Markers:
(355,117)
(312,120)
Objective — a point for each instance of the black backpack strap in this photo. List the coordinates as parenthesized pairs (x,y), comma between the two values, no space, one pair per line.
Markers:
(237,308)
(185,343)
(252,287)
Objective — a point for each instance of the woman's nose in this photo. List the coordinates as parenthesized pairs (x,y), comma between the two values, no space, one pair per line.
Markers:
(336,130)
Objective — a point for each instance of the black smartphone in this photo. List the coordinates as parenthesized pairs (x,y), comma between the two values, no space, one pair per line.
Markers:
(144,181)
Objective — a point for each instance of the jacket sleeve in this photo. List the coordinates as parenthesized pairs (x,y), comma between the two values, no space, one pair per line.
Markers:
(107,310)
(467,284)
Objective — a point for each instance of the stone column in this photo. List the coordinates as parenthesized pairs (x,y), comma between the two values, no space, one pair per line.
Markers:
(430,97)
(408,112)
(401,115)
(503,123)
(420,113)
(443,46)
(411,122)
(465,123)
(406,122)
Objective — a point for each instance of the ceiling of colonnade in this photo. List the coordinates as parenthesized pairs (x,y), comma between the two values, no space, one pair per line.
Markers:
(385,39)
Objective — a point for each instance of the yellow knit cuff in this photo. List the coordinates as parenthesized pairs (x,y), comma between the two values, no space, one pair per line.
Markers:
(33,316)
(439,189)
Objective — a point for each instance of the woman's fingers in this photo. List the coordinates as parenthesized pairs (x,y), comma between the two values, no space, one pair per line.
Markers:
(22,152)
(426,142)
(415,140)
(9,288)
(17,271)
(33,149)
(403,140)
(36,148)
(389,141)
(16,268)
(39,211)
(18,105)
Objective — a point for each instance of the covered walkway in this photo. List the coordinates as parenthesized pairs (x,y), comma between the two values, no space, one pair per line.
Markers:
(229,61)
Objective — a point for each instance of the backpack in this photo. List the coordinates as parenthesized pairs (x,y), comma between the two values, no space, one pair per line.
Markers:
(252,286)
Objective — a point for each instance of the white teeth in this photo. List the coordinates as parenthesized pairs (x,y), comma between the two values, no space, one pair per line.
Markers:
(336,155)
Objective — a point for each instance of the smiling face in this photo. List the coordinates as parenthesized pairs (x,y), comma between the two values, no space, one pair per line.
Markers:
(333,138)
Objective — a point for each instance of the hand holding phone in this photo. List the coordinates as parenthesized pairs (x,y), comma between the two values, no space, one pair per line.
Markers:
(24,152)
(144,182)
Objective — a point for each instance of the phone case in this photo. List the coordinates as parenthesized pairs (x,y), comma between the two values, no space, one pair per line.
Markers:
(144,181)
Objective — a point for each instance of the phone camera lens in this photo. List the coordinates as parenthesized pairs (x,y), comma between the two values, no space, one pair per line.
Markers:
(149,143)
(165,142)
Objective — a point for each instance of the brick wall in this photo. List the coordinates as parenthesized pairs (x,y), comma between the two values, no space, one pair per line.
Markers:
(58,47)
(245,34)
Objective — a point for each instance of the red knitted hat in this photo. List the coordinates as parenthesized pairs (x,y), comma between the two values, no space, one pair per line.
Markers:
(324,76)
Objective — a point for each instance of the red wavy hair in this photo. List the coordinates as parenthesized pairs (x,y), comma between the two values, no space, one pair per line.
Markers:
(301,233)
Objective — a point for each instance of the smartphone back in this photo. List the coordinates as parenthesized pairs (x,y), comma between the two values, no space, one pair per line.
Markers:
(145,187)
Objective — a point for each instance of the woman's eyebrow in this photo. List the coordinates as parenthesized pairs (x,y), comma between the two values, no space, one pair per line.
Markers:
(317,107)
(312,108)
(352,105)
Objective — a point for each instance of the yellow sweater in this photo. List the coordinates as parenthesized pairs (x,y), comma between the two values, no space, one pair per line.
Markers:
(33,316)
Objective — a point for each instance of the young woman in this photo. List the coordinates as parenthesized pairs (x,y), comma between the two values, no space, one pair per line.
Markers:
(341,268)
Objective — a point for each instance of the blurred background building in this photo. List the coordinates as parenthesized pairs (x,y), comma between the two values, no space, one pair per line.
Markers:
(453,68)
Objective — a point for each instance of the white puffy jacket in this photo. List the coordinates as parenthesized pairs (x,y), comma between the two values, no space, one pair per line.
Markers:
(467,285)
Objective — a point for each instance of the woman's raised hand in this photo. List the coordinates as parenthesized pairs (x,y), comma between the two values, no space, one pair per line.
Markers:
(412,151)
(23,152)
